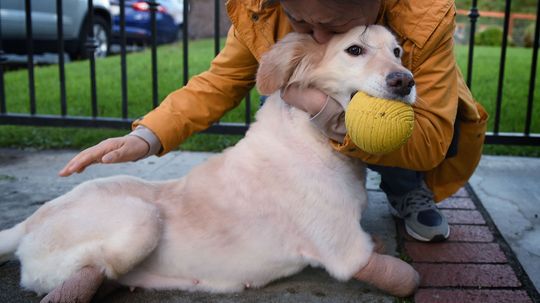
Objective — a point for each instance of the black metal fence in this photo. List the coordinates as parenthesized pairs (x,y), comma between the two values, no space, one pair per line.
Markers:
(65,120)
(494,136)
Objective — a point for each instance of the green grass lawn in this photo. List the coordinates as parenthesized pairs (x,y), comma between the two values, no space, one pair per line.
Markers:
(201,52)
(515,92)
(170,70)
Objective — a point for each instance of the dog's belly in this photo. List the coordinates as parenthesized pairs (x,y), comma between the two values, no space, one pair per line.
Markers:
(225,270)
(222,255)
(91,225)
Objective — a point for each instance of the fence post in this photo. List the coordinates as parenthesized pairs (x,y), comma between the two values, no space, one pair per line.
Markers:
(91,46)
(61,70)
(185,48)
(3,59)
(502,66)
(532,82)
(123,61)
(30,50)
(153,5)
(473,16)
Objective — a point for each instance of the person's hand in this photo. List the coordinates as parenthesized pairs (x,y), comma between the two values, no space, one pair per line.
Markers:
(113,150)
(310,100)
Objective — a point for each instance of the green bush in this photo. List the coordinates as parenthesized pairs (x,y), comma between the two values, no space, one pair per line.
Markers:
(491,36)
(528,35)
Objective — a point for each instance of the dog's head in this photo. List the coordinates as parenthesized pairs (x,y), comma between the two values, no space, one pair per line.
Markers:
(364,59)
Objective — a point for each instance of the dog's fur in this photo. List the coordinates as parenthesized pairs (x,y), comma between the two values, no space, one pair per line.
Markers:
(281,199)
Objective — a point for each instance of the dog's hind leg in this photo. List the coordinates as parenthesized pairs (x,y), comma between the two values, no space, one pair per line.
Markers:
(111,234)
(79,287)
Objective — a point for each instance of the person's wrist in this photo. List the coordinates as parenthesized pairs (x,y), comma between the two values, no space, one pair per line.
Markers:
(317,101)
(309,100)
(146,135)
(140,146)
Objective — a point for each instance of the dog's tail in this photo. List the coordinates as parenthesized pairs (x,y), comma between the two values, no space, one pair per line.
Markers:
(10,240)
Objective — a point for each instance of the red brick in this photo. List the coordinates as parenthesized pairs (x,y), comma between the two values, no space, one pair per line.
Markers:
(463,216)
(453,252)
(471,295)
(454,202)
(470,233)
(474,275)
(462,192)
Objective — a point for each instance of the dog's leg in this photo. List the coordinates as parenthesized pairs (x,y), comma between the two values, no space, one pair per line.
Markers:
(390,274)
(79,287)
(110,232)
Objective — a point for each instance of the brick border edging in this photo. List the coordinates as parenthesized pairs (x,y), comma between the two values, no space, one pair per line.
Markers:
(476,264)
(521,274)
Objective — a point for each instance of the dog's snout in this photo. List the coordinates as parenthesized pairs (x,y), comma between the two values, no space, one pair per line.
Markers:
(400,83)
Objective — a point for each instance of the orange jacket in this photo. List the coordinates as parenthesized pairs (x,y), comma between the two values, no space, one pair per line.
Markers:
(425,30)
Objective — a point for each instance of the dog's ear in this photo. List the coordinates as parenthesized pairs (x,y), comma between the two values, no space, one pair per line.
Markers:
(295,51)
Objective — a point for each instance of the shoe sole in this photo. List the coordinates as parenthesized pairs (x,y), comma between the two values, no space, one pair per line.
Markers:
(436,238)
(412,233)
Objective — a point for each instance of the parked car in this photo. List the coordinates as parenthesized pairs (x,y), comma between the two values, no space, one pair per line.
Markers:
(44,27)
(138,26)
(176,9)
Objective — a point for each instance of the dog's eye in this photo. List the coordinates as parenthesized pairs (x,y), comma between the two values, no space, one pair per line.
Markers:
(355,50)
(397,52)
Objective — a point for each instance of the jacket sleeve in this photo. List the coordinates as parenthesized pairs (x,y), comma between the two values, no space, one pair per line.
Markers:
(435,74)
(206,97)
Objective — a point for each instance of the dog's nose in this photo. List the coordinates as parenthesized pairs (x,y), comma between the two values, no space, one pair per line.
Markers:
(400,83)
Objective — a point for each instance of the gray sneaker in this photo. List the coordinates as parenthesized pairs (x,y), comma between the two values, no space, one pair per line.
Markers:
(423,220)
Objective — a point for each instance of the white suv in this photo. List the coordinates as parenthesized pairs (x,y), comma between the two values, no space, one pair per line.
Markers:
(44,26)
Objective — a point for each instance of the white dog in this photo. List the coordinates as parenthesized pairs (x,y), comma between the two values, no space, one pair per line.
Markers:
(278,201)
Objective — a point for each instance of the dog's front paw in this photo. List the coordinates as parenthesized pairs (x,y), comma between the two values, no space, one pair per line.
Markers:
(390,274)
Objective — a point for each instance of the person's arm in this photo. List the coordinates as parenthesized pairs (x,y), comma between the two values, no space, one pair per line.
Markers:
(435,73)
(206,97)
(192,108)
(112,150)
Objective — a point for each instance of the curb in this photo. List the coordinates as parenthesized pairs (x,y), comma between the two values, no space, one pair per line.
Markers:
(528,285)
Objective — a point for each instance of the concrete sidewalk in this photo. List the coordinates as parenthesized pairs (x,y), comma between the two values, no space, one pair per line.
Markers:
(509,190)
(475,265)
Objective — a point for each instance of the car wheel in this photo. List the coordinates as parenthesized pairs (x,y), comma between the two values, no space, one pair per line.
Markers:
(102,35)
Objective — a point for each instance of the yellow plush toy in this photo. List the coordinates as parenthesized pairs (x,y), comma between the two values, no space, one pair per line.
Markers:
(378,126)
